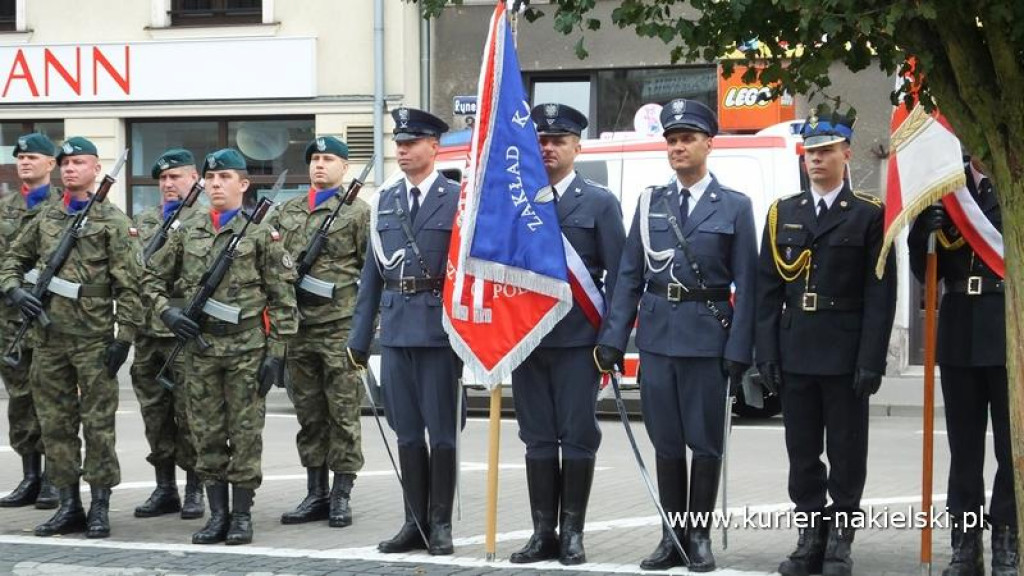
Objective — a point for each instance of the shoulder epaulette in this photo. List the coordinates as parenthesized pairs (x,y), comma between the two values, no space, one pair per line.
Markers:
(590,182)
(868,198)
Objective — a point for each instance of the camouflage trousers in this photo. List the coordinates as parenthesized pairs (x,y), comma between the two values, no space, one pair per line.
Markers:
(327,393)
(226,415)
(25,434)
(164,412)
(71,389)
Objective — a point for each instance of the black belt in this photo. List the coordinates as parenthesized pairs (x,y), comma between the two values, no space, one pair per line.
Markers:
(975,286)
(412,285)
(813,302)
(226,328)
(94,291)
(680,293)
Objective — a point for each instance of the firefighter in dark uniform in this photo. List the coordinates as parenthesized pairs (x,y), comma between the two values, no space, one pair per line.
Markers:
(823,324)
(555,388)
(689,242)
(972,357)
(402,279)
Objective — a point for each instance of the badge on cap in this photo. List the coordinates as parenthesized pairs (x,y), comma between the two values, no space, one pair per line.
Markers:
(551,110)
(321,144)
(22,142)
(211,161)
(67,148)
(164,165)
(813,121)
(678,107)
(403,117)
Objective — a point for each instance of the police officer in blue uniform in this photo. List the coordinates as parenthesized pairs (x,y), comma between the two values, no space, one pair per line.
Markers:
(410,227)
(823,324)
(972,357)
(555,388)
(690,241)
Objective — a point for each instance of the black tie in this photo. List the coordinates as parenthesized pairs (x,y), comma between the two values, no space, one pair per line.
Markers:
(822,209)
(415,207)
(554,192)
(984,187)
(684,205)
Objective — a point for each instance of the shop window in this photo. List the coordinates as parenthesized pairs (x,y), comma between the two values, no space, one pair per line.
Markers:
(215,12)
(9,133)
(8,15)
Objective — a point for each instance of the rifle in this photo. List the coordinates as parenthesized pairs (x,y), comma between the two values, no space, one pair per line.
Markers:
(157,241)
(202,301)
(47,280)
(308,256)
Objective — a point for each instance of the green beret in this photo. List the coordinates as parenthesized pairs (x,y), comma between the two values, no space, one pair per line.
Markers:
(34,143)
(224,159)
(76,146)
(172,158)
(327,145)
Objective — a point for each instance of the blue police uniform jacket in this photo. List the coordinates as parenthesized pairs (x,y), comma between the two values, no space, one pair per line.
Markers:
(591,219)
(721,236)
(406,320)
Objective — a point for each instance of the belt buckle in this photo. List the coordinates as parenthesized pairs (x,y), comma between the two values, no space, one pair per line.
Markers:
(974,285)
(809,301)
(675,292)
(407,284)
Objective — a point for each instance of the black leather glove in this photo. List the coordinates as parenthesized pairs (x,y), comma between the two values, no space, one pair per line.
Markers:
(866,382)
(117,353)
(771,377)
(934,218)
(182,326)
(30,306)
(358,358)
(734,371)
(607,358)
(271,373)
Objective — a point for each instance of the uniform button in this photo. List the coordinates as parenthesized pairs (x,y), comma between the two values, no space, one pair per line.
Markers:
(674,306)
(409,244)
(407,298)
(815,267)
(811,287)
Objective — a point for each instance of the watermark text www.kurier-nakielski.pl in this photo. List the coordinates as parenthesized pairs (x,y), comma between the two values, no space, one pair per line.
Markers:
(884,517)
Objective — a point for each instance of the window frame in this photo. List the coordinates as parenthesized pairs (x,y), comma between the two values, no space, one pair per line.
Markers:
(218,15)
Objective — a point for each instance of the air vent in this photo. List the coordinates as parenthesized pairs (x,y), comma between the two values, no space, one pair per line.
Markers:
(360,143)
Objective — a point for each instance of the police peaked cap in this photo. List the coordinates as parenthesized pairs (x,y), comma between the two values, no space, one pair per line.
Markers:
(825,126)
(683,115)
(412,124)
(554,119)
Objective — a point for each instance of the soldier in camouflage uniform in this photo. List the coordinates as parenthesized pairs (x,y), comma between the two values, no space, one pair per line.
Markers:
(77,357)
(35,160)
(163,411)
(325,387)
(226,383)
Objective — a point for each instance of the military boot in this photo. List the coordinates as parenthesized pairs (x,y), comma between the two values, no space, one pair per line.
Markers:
(577,477)
(442,496)
(70,516)
(809,553)
(543,481)
(49,496)
(316,505)
(341,492)
(703,491)
(837,561)
(98,521)
(192,506)
(672,484)
(164,499)
(968,554)
(1005,557)
(240,531)
(216,529)
(27,491)
(415,465)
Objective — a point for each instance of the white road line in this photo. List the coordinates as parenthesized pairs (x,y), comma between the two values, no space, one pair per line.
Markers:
(6,449)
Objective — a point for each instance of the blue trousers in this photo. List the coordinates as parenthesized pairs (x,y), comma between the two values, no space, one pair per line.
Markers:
(419,387)
(683,402)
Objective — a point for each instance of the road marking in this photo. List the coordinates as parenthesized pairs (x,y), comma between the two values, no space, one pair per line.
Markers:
(6,449)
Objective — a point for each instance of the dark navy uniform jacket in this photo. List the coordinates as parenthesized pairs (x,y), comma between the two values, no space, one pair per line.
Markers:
(722,238)
(406,320)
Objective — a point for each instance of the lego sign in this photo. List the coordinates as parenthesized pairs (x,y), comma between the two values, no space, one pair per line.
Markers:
(747,107)
(140,71)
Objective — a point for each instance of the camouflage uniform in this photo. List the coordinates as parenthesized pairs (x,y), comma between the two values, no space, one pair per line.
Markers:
(326,389)
(223,403)
(71,386)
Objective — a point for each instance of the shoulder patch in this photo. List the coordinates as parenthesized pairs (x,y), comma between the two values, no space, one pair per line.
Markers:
(868,198)
(789,197)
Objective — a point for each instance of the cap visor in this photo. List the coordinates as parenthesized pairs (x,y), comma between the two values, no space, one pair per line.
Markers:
(824,140)
(407,137)
(688,128)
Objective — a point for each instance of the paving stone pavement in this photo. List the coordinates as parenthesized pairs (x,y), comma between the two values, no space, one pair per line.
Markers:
(621,523)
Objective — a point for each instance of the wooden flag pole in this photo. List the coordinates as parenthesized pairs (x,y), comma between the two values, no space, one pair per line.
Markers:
(492,474)
(930,313)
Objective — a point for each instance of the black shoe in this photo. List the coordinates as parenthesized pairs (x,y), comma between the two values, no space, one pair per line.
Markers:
(340,510)
(809,554)
(27,491)
(240,531)
(703,492)
(316,505)
(98,520)
(672,483)
(164,499)
(543,481)
(415,481)
(837,561)
(442,496)
(577,477)
(70,516)
(216,529)
(192,506)
(968,554)
(1005,557)
(49,496)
